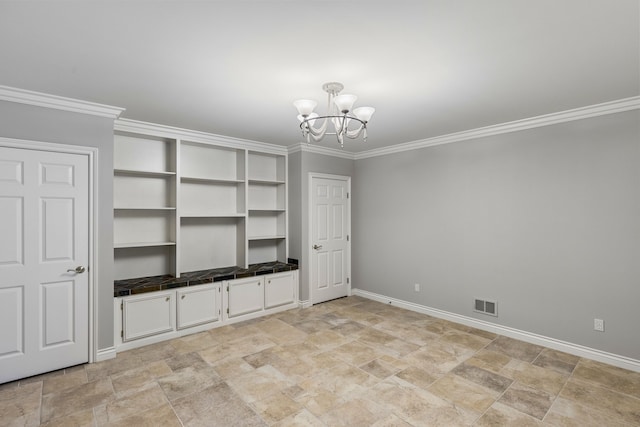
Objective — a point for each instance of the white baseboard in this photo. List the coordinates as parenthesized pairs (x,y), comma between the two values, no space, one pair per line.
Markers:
(567,347)
(304,304)
(106,354)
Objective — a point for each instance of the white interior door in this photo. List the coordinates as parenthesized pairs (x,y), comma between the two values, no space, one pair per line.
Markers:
(329,238)
(44,252)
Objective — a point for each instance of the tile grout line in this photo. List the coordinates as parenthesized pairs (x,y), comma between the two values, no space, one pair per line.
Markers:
(596,384)
(41,401)
(561,390)
(155,380)
(501,394)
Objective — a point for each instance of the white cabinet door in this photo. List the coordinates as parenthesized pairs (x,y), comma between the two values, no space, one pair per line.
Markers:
(245,296)
(279,289)
(44,254)
(148,314)
(198,305)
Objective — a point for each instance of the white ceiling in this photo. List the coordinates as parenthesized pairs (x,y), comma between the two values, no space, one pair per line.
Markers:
(234,67)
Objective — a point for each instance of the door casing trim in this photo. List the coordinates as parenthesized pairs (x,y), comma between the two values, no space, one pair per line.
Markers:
(92,156)
(347,179)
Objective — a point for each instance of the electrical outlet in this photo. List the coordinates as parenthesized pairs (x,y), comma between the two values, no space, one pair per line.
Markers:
(598,325)
(416,287)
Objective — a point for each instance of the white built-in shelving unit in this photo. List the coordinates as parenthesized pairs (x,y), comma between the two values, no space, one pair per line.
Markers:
(145,209)
(185,202)
(266,227)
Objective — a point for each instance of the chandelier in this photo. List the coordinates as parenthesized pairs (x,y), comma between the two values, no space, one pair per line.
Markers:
(339,106)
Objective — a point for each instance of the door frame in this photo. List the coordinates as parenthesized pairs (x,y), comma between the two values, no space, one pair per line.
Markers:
(347,179)
(92,157)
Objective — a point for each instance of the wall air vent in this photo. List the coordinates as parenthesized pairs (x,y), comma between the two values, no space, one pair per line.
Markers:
(486,306)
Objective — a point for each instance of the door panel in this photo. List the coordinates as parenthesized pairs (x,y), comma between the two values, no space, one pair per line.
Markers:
(329,238)
(57,231)
(11,230)
(11,171)
(44,314)
(323,223)
(57,313)
(338,221)
(338,267)
(11,316)
(321,269)
(53,174)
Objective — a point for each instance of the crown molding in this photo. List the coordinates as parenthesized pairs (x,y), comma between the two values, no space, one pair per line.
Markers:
(603,109)
(317,149)
(38,99)
(135,126)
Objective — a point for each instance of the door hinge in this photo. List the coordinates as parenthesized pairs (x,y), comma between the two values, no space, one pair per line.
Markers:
(121,305)
(347,280)
(347,195)
(227,310)
(218,312)
(227,288)
(121,334)
(347,237)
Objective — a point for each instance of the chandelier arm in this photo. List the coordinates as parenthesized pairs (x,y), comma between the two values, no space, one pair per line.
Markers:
(313,130)
(338,123)
(306,126)
(345,124)
(305,121)
(355,133)
(317,138)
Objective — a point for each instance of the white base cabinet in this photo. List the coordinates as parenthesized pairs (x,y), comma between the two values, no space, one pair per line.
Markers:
(198,305)
(245,296)
(279,290)
(147,314)
(158,316)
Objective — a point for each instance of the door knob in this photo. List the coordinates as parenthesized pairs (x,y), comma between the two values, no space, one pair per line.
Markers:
(316,247)
(79,269)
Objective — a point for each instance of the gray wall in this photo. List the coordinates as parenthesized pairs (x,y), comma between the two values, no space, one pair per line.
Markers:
(294,210)
(300,164)
(545,221)
(47,125)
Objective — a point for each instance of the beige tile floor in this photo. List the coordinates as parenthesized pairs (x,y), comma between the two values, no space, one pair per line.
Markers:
(348,362)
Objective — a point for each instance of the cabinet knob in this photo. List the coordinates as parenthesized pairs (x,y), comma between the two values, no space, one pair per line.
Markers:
(258,283)
(167,299)
(182,297)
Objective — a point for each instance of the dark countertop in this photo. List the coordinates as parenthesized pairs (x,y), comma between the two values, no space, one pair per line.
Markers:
(140,285)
